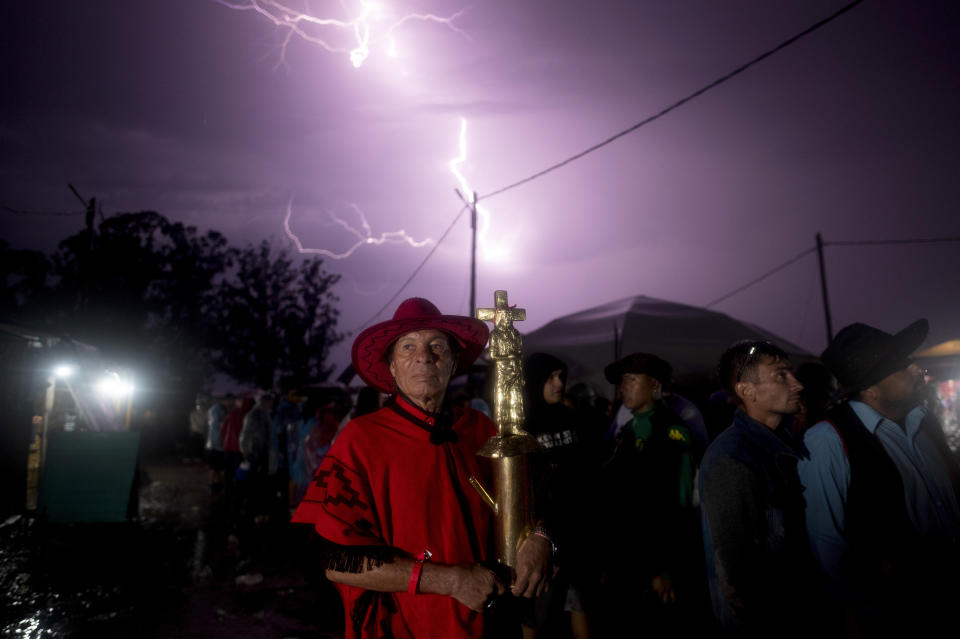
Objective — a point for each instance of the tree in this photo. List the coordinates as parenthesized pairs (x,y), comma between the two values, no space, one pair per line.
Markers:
(178,304)
(139,288)
(275,318)
(23,282)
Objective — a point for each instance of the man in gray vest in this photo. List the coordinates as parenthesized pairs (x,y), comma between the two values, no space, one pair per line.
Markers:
(881,489)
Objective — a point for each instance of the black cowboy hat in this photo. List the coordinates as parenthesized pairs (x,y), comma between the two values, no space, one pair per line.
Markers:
(859,355)
(645,363)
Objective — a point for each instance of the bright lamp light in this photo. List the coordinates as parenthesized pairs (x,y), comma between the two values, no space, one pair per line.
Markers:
(63,370)
(112,386)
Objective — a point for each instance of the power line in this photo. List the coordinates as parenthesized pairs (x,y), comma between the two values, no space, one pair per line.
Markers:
(627,131)
(677,104)
(926,240)
(412,275)
(77,193)
(10,209)
(757,280)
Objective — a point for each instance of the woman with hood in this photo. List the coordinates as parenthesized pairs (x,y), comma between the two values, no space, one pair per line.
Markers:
(559,477)
(230,435)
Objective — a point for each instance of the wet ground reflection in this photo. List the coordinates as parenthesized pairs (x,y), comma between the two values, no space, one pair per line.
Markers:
(179,570)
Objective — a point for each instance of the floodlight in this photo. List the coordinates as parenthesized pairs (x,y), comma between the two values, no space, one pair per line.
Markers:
(114,387)
(63,371)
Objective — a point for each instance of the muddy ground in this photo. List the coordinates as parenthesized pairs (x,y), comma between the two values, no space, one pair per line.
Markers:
(179,569)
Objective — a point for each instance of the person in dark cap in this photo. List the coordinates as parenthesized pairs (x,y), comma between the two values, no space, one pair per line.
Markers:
(648,485)
(682,407)
(881,489)
(406,537)
(751,502)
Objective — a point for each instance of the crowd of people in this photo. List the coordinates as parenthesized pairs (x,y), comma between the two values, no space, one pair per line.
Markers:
(263,448)
(821,498)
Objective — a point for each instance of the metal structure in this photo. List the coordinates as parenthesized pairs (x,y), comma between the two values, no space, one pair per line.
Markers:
(512,498)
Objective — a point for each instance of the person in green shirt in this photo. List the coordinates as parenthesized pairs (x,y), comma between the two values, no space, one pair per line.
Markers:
(648,486)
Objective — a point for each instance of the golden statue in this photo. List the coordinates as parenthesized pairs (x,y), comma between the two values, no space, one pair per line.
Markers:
(511,502)
(506,350)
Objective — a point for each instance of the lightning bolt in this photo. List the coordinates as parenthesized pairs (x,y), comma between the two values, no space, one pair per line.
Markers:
(363,30)
(365,292)
(483,215)
(364,235)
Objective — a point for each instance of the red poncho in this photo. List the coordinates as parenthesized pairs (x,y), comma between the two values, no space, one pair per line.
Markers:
(383,483)
(233,424)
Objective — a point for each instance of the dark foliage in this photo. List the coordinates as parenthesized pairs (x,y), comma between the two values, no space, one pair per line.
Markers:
(275,318)
(23,278)
(163,297)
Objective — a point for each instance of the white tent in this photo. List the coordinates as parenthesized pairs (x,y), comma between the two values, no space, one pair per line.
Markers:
(691,339)
(942,360)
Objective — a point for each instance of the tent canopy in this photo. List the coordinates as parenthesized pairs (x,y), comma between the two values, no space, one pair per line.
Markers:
(942,361)
(943,349)
(691,339)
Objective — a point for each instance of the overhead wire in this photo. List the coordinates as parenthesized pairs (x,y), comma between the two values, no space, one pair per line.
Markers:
(924,240)
(811,289)
(412,275)
(678,103)
(10,209)
(757,280)
(619,135)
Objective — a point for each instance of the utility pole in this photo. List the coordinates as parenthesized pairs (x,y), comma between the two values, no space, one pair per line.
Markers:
(86,257)
(91,210)
(616,341)
(473,249)
(473,255)
(823,289)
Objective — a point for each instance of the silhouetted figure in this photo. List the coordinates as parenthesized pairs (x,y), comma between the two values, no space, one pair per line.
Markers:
(593,420)
(650,534)
(819,387)
(754,540)
(562,475)
(232,457)
(881,488)
(255,448)
(216,415)
(368,401)
(197,437)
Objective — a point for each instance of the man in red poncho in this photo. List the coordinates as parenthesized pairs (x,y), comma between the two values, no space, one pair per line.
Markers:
(405,533)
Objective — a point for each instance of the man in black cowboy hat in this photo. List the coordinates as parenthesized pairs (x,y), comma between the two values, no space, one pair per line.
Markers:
(405,534)
(648,492)
(881,488)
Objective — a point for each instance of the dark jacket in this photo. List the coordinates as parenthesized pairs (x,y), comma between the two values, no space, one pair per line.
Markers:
(649,529)
(557,464)
(754,535)
(903,579)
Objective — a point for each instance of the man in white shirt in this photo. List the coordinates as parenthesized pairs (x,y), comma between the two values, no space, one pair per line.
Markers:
(881,488)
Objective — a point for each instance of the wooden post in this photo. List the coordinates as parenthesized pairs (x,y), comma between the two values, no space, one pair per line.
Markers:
(823,289)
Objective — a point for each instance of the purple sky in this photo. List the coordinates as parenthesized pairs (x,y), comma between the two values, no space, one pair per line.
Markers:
(186,107)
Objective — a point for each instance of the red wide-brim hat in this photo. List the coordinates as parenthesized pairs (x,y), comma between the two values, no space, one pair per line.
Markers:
(414,314)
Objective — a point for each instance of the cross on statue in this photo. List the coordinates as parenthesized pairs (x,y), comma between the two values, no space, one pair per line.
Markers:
(506,350)
(510,315)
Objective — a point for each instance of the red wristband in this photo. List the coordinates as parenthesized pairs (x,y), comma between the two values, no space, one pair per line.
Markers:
(417,569)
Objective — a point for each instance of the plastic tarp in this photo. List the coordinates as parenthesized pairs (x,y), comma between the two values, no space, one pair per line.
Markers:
(691,339)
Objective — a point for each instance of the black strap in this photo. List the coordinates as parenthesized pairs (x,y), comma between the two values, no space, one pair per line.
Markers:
(442,430)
